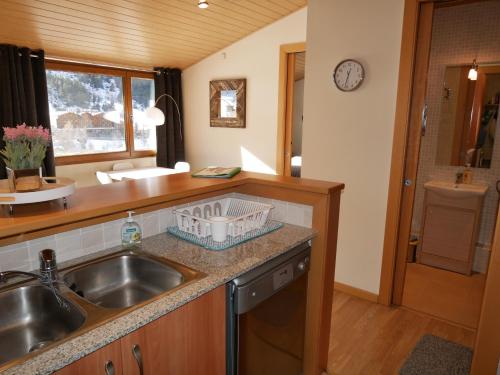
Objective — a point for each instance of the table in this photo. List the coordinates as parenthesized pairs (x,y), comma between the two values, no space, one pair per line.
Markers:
(138,173)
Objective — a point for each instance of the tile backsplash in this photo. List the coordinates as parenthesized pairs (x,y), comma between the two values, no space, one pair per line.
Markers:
(79,242)
(460,34)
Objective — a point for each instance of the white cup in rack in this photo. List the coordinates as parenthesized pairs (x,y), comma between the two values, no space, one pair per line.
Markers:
(219,228)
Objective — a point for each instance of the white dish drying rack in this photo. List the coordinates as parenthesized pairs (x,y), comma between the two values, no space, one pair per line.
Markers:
(242,216)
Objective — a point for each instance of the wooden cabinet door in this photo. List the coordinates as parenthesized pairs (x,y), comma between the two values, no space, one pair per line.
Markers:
(105,361)
(189,340)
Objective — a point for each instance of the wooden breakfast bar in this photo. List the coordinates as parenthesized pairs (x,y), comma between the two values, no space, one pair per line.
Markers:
(101,204)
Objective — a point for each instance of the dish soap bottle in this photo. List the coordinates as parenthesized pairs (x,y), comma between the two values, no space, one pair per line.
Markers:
(468,174)
(131,232)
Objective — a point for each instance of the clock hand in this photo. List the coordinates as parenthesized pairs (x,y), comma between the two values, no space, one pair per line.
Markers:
(347,78)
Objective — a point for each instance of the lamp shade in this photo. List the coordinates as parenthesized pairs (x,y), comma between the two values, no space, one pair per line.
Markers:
(154,116)
(472,74)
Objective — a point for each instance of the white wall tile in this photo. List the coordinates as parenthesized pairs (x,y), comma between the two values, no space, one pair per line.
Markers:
(15,257)
(35,246)
(112,233)
(150,224)
(295,214)
(79,242)
(92,238)
(279,211)
(166,218)
(68,244)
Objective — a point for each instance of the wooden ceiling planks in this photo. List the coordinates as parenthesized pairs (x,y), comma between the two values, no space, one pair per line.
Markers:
(140,33)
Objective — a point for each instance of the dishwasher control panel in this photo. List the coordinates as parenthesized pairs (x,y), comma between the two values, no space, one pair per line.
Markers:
(282,276)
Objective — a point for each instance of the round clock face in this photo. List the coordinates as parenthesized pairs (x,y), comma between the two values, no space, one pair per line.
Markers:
(348,75)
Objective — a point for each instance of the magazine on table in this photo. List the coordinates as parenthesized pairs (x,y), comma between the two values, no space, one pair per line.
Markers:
(217,172)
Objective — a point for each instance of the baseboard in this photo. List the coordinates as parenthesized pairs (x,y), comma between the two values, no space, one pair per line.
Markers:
(360,293)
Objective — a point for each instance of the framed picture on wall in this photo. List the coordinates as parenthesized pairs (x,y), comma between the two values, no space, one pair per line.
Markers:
(228,103)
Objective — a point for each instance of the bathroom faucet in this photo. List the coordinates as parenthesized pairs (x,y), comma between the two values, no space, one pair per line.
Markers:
(48,274)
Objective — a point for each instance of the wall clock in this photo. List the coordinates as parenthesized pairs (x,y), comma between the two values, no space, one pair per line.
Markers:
(348,75)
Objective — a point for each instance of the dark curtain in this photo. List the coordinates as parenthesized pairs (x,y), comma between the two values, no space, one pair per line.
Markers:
(169,136)
(23,95)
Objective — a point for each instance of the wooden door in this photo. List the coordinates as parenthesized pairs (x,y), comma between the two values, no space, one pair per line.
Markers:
(486,357)
(285,106)
(417,112)
(105,361)
(189,340)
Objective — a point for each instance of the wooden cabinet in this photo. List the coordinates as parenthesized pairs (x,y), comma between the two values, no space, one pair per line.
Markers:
(102,362)
(189,340)
(450,228)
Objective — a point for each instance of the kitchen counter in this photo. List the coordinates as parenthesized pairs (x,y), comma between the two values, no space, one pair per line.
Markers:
(106,203)
(102,203)
(220,267)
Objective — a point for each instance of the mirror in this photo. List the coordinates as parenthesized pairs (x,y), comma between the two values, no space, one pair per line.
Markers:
(228,103)
(469,116)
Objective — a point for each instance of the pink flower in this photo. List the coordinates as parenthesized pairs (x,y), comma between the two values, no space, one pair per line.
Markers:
(30,133)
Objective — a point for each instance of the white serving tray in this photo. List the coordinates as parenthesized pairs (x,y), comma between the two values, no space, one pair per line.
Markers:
(60,187)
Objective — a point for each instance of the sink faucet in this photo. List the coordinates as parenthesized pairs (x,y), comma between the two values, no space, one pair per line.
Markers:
(48,274)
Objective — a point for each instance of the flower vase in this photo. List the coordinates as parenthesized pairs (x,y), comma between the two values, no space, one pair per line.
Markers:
(22,180)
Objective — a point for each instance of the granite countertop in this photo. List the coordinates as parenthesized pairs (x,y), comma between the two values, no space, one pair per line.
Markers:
(220,267)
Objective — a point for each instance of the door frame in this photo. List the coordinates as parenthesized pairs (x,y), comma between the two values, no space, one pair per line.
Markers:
(399,148)
(399,201)
(285,106)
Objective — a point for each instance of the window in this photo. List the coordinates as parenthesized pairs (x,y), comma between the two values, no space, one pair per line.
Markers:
(97,113)
(143,97)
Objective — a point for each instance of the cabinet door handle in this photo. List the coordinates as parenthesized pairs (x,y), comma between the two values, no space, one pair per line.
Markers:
(136,351)
(109,368)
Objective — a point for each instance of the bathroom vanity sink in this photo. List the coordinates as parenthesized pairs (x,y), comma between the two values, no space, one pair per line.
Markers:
(32,319)
(450,225)
(123,280)
(452,190)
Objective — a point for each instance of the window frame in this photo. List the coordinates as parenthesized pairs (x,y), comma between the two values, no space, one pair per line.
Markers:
(126,75)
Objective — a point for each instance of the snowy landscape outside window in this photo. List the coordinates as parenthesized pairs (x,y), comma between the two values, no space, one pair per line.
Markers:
(97,113)
(143,97)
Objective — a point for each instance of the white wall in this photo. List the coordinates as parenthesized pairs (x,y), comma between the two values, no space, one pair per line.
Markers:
(255,58)
(347,137)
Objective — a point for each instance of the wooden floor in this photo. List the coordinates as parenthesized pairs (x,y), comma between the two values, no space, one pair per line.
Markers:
(368,338)
(444,294)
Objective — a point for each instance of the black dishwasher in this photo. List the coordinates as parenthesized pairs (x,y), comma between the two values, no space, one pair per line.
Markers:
(266,316)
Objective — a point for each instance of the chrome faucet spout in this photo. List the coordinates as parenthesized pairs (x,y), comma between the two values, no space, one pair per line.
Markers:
(48,264)
(6,275)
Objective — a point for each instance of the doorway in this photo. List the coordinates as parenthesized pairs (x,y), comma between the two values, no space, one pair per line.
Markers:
(442,233)
(290,109)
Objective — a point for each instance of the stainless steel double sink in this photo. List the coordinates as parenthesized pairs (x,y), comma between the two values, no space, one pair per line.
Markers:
(94,292)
